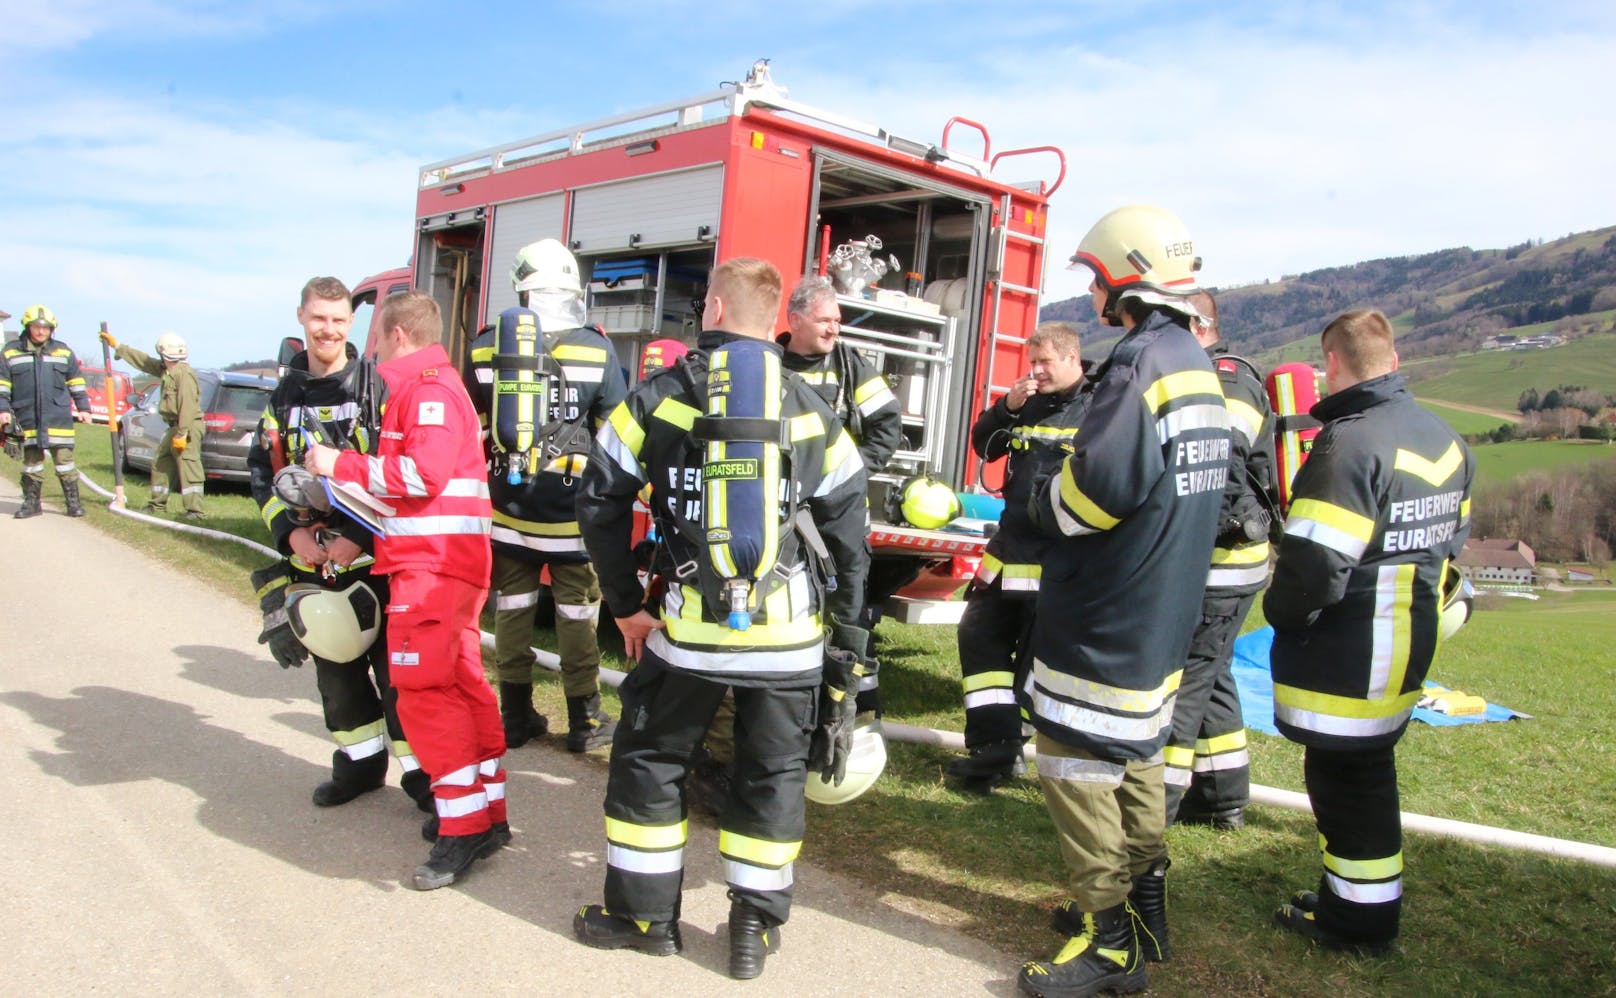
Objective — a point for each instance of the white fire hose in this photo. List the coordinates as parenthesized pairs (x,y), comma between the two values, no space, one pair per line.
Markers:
(117,505)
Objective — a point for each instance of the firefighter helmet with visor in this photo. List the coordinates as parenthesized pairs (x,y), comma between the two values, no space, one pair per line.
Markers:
(171,347)
(38,313)
(545,265)
(1141,251)
(336,625)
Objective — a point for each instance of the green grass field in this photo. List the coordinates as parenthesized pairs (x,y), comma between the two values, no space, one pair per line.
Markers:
(1478,920)
(1502,462)
(1461,420)
(1496,380)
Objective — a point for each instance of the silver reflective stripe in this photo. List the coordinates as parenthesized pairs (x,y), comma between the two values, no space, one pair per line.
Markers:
(1383,650)
(1330,537)
(365,749)
(376,476)
(576,373)
(515,601)
(1173,776)
(758,878)
(407,760)
(1343,727)
(1069,525)
(1360,893)
(414,485)
(614,447)
(490,767)
(1222,761)
(427,526)
(1060,767)
(870,682)
(460,488)
(884,397)
(990,696)
(485,375)
(465,776)
(1226,577)
(1099,694)
(1192,417)
(459,807)
(62,469)
(571,611)
(841,473)
(636,861)
(1111,726)
(1020,584)
(495,790)
(191,490)
(761,660)
(505,535)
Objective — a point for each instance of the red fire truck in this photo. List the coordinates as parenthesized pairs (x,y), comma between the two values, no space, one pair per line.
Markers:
(650,200)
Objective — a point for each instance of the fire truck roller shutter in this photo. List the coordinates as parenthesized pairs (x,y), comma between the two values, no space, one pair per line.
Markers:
(517,224)
(663,210)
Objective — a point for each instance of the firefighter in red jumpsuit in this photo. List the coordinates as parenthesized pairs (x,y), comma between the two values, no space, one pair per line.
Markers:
(434,546)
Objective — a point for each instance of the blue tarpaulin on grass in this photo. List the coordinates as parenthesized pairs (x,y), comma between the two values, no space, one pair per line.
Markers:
(1256,685)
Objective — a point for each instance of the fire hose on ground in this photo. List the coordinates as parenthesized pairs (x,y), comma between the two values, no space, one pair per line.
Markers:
(1271,796)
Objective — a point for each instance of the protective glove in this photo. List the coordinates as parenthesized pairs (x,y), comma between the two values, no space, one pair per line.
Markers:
(270,584)
(106,338)
(832,739)
(179,443)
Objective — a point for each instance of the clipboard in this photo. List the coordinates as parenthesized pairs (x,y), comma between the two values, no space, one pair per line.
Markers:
(365,508)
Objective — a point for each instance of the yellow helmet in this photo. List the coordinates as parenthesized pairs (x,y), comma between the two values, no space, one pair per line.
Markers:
(171,347)
(923,502)
(1141,251)
(38,313)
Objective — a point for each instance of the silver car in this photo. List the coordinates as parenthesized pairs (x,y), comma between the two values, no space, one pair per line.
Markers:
(231,405)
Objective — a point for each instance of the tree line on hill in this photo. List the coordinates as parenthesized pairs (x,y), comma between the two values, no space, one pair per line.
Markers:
(1568,514)
(1444,302)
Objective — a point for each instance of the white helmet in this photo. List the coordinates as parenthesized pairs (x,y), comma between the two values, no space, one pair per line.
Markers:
(171,347)
(864,764)
(545,264)
(1141,251)
(338,626)
(1458,602)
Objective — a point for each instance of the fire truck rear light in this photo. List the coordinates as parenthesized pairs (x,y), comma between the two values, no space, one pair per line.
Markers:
(219,422)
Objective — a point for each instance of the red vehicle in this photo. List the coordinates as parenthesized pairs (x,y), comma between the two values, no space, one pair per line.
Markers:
(98,381)
(649,201)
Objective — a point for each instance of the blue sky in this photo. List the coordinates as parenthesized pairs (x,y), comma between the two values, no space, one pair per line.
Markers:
(187,164)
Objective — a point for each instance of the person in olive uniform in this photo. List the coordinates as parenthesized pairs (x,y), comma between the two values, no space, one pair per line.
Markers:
(178,466)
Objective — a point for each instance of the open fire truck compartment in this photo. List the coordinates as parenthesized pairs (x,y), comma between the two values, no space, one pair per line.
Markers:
(650,200)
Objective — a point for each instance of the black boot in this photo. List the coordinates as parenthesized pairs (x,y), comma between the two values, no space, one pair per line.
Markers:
(1301,917)
(452,856)
(419,787)
(751,938)
(988,766)
(1104,956)
(350,779)
(597,927)
(1147,904)
(70,493)
(587,725)
(30,500)
(1229,819)
(516,712)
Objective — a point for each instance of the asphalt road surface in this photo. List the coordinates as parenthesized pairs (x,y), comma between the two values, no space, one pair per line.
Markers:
(158,765)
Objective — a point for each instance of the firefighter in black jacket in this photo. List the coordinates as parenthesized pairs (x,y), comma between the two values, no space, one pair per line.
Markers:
(42,393)
(328,393)
(689,657)
(1208,774)
(535,520)
(1378,511)
(1033,424)
(1136,508)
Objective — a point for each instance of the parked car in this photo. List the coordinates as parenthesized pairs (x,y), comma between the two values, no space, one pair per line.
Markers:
(96,382)
(231,405)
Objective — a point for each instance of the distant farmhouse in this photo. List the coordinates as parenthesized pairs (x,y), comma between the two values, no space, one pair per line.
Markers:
(1507,341)
(1498,560)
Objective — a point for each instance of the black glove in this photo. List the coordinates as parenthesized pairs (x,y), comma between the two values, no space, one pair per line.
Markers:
(832,740)
(270,584)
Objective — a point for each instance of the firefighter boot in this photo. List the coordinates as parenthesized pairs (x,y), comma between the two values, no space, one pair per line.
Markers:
(587,725)
(1103,957)
(70,493)
(988,766)
(1147,905)
(351,778)
(597,927)
(752,936)
(516,711)
(452,856)
(418,786)
(1301,917)
(30,500)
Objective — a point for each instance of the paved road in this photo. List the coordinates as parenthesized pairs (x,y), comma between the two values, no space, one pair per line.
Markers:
(157,766)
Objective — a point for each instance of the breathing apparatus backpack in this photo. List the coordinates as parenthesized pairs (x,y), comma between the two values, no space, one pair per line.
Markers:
(522,437)
(1293,389)
(742,542)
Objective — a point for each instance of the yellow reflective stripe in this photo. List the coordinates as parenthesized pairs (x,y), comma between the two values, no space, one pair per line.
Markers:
(1089,692)
(864,392)
(1360,528)
(364,732)
(1244,415)
(1081,504)
(1334,705)
(1020,571)
(647,836)
(771,633)
(1179,385)
(1179,756)
(1230,742)
(1050,433)
(577,351)
(273,584)
(1464,509)
(806,427)
(1252,554)
(535,527)
(761,852)
(273,508)
(991,565)
(672,411)
(839,451)
(989,681)
(1433,472)
(1361,869)
(630,432)
(481,354)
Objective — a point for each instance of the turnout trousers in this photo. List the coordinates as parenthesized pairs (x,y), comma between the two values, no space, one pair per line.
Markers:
(1108,817)
(1355,802)
(33,464)
(179,473)
(994,652)
(665,712)
(435,663)
(577,616)
(1208,768)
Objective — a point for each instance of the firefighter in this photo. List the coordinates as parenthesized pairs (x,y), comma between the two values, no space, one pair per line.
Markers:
(328,394)
(178,465)
(535,524)
(1135,511)
(1208,774)
(428,470)
(1379,510)
(42,394)
(1033,423)
(778,668)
